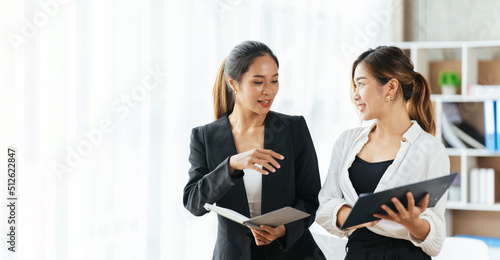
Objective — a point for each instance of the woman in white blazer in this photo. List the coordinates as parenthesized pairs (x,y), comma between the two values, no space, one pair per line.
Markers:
(398,148)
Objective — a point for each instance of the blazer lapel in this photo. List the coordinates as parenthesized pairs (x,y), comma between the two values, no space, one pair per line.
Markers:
(275,135)
(237,194)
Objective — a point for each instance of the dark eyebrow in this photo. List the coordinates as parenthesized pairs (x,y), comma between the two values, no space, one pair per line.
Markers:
(260,76)
(358,78)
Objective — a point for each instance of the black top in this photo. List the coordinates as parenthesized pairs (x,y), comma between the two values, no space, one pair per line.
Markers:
(365,175)
(363,244)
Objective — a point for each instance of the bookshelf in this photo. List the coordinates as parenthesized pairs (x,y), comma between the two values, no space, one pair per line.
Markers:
(476,62)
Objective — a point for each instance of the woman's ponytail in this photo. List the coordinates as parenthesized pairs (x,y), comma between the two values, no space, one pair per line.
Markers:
(223,94)
(420,105)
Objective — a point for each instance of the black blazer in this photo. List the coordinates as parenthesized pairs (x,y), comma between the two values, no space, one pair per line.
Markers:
(295,184)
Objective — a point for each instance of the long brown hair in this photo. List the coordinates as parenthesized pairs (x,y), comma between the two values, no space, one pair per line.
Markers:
(234,66)
(387,62)
(223,94)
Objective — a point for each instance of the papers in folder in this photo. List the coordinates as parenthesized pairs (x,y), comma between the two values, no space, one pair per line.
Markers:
(274,218)
(369,204)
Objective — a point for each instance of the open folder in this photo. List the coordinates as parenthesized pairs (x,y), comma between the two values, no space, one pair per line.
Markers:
(274,218)
(370,203)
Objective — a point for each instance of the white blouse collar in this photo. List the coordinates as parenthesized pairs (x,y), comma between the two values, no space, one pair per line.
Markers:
(411,135)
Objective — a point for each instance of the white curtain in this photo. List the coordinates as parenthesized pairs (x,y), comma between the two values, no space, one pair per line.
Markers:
(99,98)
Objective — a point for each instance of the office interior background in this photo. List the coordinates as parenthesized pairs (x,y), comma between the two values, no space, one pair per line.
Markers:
(99,98)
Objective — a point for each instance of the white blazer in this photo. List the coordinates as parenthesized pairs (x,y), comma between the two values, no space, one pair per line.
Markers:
(420,157)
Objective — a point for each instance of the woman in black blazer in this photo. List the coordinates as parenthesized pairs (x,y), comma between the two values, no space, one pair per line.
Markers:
(247,135)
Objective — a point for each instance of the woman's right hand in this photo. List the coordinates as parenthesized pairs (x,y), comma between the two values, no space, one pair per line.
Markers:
(249,159)
(342,216)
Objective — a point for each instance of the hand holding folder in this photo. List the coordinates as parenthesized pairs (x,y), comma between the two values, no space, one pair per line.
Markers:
(369,204)
(273,219)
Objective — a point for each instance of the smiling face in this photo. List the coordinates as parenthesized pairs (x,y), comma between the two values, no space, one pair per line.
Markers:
(370,97)
(258,86)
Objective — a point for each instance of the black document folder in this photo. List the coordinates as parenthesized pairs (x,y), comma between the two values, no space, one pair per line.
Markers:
(370,203)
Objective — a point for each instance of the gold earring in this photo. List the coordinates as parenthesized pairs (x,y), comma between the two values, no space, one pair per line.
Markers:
(389,99)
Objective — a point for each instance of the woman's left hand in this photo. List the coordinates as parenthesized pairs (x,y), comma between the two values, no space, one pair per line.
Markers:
(268,234)
(408,217)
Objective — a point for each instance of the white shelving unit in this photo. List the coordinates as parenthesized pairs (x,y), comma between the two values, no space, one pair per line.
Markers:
(473,206)
(465,56)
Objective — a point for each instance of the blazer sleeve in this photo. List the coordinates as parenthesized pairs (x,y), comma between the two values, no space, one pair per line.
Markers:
(307,182)
(204,185)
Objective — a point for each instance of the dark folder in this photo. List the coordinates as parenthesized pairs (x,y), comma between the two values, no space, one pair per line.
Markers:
(369,203)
